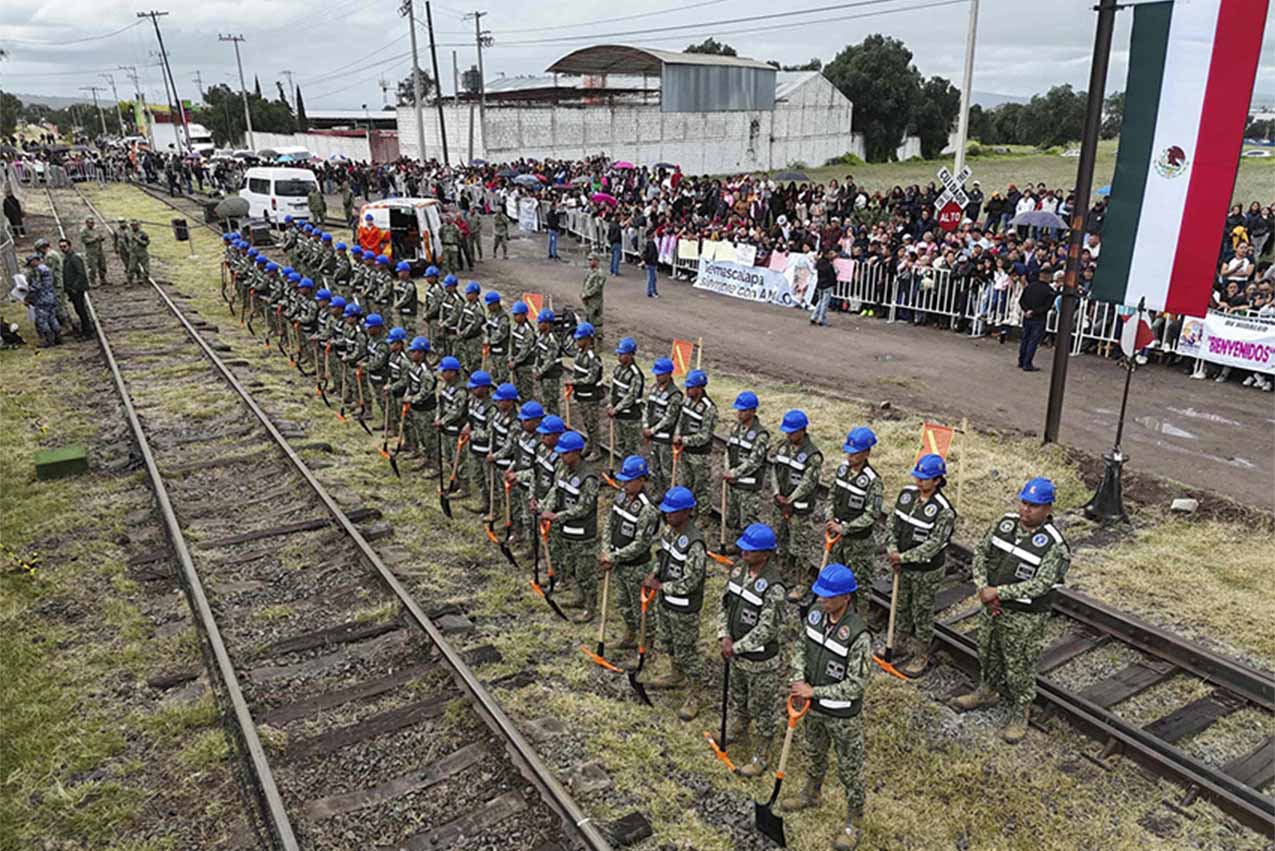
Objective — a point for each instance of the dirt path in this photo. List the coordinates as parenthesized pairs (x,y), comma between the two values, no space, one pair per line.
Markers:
(1218,438)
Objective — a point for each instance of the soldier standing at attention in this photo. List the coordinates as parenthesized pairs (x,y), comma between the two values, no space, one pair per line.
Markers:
(548,364)
(504,444)
(474,221)
(318,205)
(830,667)
(396,388)
(920,530)
(522,350)
(434,294)
(449,235)
(119,240)
(796,468)
(632,525)
(854,512)
(448,315)
(421,401)
(500,231)
(584,386)
(496,338)
(628,385)
(91,239)
(481,412)
(404,297)
(679,577)
(139,253)
(1018,566)
(591,294)
(573,502)
(527,441)
(538,481)
(694,436)
(340,276)
(469,329)
(663,406)
(745,467)
(325,268)
(749,628)
(453,411)
(347,203)
(377,368)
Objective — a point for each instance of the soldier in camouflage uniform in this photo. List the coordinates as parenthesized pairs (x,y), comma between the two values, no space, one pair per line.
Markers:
(119,241)
(354,287)
(679,577)
(404,300)
(522,351)
(854,513)
(504,446)
(547,370)
(1018,566)
(693,437)
(745,468)
(434,294)
(573,515)
(481,413)
(829,666)
(663,406)
(628,386)
(631,529)
(591,295)
(538,480)
(421,402)
(448,315)
(527,443)
(333,343)
(469,329)
(325,267)
(347,203)
(474,219)
(341,270)
(496,338)
(318,205)
(500,231)
(919,532)
(53,261)
(396,386)
(795,470)
(377,365)
(305,318)
(353,354)
(380,285)
(585,387)
(453,413)
(449,235)
(91,240)
(749,630)
(139,256)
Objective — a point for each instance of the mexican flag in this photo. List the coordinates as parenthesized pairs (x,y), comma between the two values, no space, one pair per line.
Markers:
(1191,69)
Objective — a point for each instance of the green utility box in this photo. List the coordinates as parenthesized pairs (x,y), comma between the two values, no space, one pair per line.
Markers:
(60,463)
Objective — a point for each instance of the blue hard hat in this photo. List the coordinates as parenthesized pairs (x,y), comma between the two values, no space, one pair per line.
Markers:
(662,366)
(545,315)
(552,424)
(340,246)
(324,294)
(757,537)
(626,346)
(381,260)
(305,284)
(374,320)
(252,252)
(571,441)
(584,331)
(327,237)
(287,220)
(288,270)
(677,499)
(447,363)
(929,467)
(370,256)
(294,277)
(418,344)
(506,393)
(337,301)
(403,266)
(859,439)
(308,228)
(1038,491)
(519,308)
(835,580)
(478,378)
(353,310)
(746,401)
(450,281)
(532,410)
(397,335)
(226,237)
(431,272)
(472,288)
(794,420)
(633,467)
(356,251)
(262,260)
(696,378)
(367,217)
(491,297)
(272,267)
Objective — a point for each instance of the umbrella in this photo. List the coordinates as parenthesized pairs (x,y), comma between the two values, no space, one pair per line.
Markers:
(527,180)
(542,178)
(284,158)
(666,165)
(581,180)
(1104,190)
(477,161)
(233,207)
(267,153)
(604,198)
(507,172)
(338,158)
(621,164)
(792,176)
(1038,219)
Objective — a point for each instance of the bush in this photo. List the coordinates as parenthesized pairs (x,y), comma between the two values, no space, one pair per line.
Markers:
(845,159)
(798,165)
(973,150)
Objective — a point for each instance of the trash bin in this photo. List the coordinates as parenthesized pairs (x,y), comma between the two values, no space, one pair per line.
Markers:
(181,232)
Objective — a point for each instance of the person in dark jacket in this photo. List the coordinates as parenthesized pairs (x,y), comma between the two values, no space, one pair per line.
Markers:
(651,260)
(75,280)
(825,280)
(13,212)
(553,224)
(615,238)
(1036,300)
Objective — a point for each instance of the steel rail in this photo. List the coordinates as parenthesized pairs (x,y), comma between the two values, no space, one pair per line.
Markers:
(274,812)
(519,749)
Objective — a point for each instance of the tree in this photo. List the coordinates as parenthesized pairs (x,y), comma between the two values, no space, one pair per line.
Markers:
(283,96)
(980,124)
(406,95)
(815,64)
(10,106)
(223,115)
(935,115)
(880,80)
(256,86)
(1055,118)
(1112,116)
(1259,129)
(303,123)
(712,47)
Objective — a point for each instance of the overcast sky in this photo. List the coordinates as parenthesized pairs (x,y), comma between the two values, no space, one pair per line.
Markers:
(340,49)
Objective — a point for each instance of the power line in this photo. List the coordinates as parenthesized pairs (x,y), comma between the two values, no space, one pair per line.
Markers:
(337,70)
(677,9)
(62,43)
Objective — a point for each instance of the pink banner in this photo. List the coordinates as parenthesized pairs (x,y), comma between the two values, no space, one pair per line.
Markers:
(845,269)
(778,261)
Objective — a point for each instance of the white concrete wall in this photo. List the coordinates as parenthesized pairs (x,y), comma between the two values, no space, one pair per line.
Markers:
(321,145)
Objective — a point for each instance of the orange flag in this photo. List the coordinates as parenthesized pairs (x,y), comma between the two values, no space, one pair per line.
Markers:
(682,352)
(935,440)
(535,303)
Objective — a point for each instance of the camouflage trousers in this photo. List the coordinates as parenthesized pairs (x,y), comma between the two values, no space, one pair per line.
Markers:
(95,261)
(694,472)
(451,258)
(500,242)
(798,548)
(550,394)
(520,512)
(679,636)
(1009,647)
(584,419)
(498,366)
(430,328)
(626,585)
(521,378)
(756,694)
(46,321)
(470,353)
(478,474)
(628,439)
(914,610)
(139,269)
(743,508)
(593,314)
(579,559)
(845,735)
(407,321)
(660,456)
(863,556)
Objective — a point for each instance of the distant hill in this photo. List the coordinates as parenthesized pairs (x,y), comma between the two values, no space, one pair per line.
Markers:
(52,101)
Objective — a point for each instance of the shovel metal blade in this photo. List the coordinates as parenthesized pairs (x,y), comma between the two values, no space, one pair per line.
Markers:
(639,688)
(445,504)
(509,555)
(770,824)
(553,604)
(318,391)
(363,423)
(394,466)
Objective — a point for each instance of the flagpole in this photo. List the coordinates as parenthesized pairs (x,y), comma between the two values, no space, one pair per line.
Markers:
(1080,210)
(1107,504)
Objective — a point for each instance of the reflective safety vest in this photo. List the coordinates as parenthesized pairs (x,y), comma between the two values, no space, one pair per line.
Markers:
(546,468)
(498,336)
(398,363)
(417,373)
(548,352)
(528,442)
(470,323)
(376,349)
(434,300)
(827,652)
(744,599)
(1012,561)
(657,405)
(740,443)
(405,296)
(500,424)
(480,414)
(518,335)
(447,396)
(624,379)
(691,421)
(570,487)
(790,468)
(581,369)
(624,524)
(850,497)
(674,552)
(918,518)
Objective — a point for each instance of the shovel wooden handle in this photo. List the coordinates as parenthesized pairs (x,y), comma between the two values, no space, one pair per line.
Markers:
(722,537)
(889,632)
(602,621)
(794,715)
(648,597)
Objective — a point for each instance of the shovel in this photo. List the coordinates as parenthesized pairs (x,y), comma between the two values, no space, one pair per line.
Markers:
(345,384)
(677,453)
(249,308)
(509,529)
(884,662)
(568,390)
(460,446)
(599,657)
(299,353)
(648,597)
(719,746)
(443,502)
(763,814)
(320,381)
(547,594)
(721,557)
(358,415)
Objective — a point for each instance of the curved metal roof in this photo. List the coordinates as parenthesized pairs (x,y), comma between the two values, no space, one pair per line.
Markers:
(626,59)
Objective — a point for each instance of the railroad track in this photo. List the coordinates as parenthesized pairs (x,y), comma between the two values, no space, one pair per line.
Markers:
(379,732)
(1239,786)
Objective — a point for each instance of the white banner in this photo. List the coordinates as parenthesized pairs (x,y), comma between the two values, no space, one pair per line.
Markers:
(752,283)
(511,207)
(528,215)
(1246,342)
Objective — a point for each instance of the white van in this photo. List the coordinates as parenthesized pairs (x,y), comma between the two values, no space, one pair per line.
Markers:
(273,193)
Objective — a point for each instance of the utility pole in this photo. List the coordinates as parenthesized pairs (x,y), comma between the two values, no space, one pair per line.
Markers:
(243,88)
(168,98)
(119,115)
(139,102)
(101,116)
(481,38)
(292,90)
(163,55)
(455,82)
(1080,211)
(438,82)
(199,83)
(408,10)
(967,84)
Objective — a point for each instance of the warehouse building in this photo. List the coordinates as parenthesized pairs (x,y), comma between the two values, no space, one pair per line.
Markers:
(708,114)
